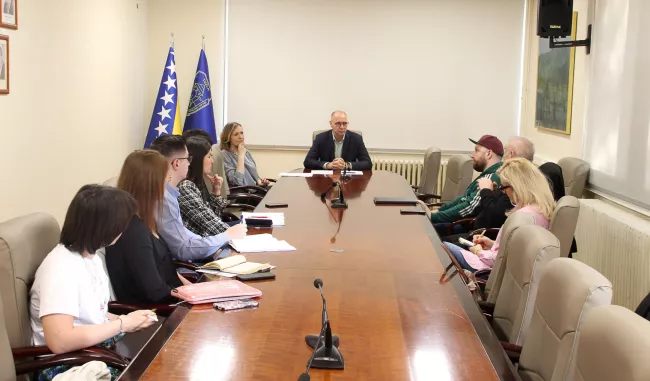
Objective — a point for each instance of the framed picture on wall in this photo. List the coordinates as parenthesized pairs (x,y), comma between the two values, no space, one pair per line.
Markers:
(4,64)
(9,15)
(555,85)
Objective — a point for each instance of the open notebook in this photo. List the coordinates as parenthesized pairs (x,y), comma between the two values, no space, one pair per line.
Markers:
(216,291)
(236,264)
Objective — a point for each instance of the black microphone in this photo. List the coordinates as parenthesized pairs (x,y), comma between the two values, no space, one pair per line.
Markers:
(340,202)
(328,189)
(325,356)
(319,285)
(305,376)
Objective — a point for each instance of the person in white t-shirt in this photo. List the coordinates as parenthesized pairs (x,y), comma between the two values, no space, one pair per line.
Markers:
(70,294)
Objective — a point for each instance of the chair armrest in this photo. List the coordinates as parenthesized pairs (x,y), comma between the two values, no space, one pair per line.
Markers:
(247,188)
(512,350)
(241,207)
(415,187)
(487,230)
(487,308)
(464,221)
(426,196)
(244,196)
(510,347)
(80,357)
(186,265)
(119,308)
(228,217)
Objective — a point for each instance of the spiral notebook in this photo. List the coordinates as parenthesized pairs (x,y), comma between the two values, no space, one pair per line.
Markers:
(216,291)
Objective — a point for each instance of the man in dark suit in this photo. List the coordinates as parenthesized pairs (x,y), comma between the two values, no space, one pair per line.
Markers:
(338,149)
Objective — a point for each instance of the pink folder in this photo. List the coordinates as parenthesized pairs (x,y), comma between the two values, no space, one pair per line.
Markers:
(216,291)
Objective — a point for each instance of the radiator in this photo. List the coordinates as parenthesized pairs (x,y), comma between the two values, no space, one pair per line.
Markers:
(410,169)
(617,244)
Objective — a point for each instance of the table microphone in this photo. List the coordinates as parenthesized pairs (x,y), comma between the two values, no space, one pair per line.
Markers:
(328,189)
(305,376)
(312,340)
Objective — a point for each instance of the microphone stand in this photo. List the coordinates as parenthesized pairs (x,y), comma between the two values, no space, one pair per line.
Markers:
(340,203)
(312,340)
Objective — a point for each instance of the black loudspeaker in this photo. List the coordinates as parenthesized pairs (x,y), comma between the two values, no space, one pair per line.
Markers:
(554,18)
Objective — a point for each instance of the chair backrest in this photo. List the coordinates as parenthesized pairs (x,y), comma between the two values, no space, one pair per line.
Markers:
(575,173)
(532,248)
(458,177)
(219,169)
(568,291)
(613,345)
(7,366)
(513,222)
(112,182)
(24,243)
(430,171)
(315,133)
(563,222)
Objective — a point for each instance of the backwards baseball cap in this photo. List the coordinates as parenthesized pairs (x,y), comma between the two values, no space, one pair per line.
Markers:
(490,142)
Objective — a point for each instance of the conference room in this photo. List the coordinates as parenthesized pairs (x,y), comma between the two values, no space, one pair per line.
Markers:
(327,190)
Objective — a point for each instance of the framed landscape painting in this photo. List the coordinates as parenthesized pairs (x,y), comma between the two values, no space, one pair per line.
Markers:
(555,85)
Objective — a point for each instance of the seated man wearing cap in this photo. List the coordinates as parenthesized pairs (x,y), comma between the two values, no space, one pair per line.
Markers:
(488,151)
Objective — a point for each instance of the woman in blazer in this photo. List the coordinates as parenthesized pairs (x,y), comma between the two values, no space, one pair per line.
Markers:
(201,209)
(140,264)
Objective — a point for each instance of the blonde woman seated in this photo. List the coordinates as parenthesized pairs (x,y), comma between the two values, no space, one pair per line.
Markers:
(238,162)
(529,192)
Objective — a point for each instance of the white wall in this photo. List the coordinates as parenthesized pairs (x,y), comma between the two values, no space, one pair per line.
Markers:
(552,146)
(75,108)
(409,73)
(189,21)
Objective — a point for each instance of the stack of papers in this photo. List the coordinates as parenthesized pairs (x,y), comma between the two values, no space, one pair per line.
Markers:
(296,174)
(277,218)
(353,172)
(216,291)
(322,172)
(260,243)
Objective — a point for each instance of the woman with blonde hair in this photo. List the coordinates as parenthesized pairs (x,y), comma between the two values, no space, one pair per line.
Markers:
(238,162)
(529,191)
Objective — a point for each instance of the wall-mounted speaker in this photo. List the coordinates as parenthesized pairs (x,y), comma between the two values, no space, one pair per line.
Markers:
(554,18)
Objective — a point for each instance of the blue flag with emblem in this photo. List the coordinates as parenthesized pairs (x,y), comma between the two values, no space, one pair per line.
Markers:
(165,119)
(200,114)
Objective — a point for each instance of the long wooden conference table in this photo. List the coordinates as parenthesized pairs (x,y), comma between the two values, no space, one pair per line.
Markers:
(381,273)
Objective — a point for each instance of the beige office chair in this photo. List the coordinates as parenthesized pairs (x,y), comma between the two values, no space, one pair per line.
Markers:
(532,248)
(459,176)
(457,179)
(24,243)
(7,366)
(613,345)
(568,292)
(430,170)
(315,133)
(112,182)
(575,173)
(513,222)
(564,220)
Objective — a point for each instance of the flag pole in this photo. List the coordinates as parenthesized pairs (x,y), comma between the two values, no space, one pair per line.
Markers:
(171,42)
(203,42)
